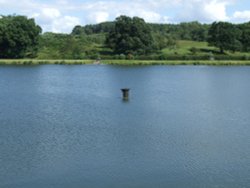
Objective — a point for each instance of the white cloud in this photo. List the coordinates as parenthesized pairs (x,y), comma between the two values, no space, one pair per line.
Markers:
(46,15)
(216,10)
(17,5)
(204,11)
(64,24)
(158,11)
(51,19)
(51,16)
(147,9)
(242,16)
(150,16)
(51,13)
(98,17)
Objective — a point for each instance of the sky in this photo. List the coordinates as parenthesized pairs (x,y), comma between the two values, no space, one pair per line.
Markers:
(61,16)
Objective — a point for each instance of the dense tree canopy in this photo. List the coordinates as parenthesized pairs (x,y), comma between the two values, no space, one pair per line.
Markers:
(130,36)
(245,38)
(183,31)
(104,27)
(18,36)
(225,36)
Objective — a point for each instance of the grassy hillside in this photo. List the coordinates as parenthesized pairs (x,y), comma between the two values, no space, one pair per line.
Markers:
(61,46)
(184,47)
(201,50)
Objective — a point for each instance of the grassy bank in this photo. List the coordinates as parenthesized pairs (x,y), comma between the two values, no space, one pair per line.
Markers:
(165,62)
(121,62)
(40,62)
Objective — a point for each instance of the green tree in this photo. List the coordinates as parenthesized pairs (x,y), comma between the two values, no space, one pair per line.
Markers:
(225,36)
(183,31)
(245,37)
(130,36)
(78,30)
(18,37)
(163,40)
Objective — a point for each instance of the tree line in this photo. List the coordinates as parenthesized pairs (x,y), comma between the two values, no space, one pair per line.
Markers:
(21,37)
(183,31)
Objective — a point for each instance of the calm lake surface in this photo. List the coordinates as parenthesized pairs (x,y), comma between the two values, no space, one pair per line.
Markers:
(67,127)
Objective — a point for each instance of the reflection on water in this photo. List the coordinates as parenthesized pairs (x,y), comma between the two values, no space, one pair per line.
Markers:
(67,126)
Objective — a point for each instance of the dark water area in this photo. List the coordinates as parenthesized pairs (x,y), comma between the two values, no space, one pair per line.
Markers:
(68,127)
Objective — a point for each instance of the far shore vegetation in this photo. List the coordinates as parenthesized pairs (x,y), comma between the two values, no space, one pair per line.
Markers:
(125,41)
(123,62)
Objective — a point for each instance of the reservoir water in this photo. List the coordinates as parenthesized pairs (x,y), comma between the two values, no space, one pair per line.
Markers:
(68,127)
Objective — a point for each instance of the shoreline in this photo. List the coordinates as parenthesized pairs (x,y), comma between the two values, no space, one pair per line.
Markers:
(125,62)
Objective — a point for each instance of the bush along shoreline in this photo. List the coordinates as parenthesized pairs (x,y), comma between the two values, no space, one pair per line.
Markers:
(126,62)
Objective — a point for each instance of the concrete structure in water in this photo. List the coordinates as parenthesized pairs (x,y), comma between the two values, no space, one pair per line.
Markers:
(125,93)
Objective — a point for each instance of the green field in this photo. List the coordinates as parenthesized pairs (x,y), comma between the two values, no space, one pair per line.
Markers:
(184,47)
